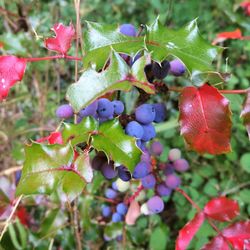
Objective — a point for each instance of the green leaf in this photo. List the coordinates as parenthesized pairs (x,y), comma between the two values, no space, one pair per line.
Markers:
(116,144)
(48,168)
(159,238)
(78,133)
(117,76)
(99,38)
(185,43)
(245,162)
(113,230)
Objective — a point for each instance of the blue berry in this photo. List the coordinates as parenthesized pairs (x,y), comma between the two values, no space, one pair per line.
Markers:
(118,107)
(124,173)
(106,211)
(177,68)
(105,108)
(110,193)
(108,170)
(64,111)
(122,208)
(160,71)
(116,217)
(163,190)
(134,129)
(114,185)
(160,112)
(90,110)
(155,204)
(145,113)
(128,29)
(148,182)
(169,169)
(141,170)
(145,156)
(148,132)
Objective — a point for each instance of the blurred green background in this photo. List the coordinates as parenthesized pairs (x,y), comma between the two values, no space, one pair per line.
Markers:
(30,108)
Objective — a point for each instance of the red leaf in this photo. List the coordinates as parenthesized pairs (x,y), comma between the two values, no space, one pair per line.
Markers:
(205,120)
(55,138)
(187,233)
(217,243)
(23,216)
(245,113)
(11,71)
(222,209)
(223,36)
(62,42)
(246,6)
(239,235)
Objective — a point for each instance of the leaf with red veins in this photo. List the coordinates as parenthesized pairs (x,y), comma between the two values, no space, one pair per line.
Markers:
(205,120)
(217,243)
(12,70)
(222,209)
(245,113)
(187,233)
(62,42)
(239,235)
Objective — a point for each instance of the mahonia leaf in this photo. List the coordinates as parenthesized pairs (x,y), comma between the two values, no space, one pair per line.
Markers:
(222,209)
(245,113)
(217,243)
(78,133)
(205,120)
(11,71)
(49,168)
(187,233)
(121,148)
(99,38)
(117,76)
(62,42)
(223,36)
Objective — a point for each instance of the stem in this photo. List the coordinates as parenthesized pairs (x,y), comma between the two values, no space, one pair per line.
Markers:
(76,225)
(236,91)
(131,198)
(37,59)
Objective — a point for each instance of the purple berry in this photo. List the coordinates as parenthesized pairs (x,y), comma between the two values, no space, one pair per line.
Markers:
(177,68)
(148,132)
(155,204)
(163,190)
(145,113)
(156,148)
(90,110)
(145,156)
(148,181)
(124,173)
(108,170)
(172,181)
(169,169)
(118,107)
(106,211)
(64,111)
(134,129)
(160,112)
(18,176)
(105,108)
(160,71)
(128,29)
(110,193)
(141,170)
(98,161)
(116,217)
(122,208)
(181,165)
(119,238)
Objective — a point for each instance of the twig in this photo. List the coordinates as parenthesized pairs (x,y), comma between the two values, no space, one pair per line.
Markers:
(235,189)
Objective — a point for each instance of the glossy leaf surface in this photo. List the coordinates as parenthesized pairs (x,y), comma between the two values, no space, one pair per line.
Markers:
(245,113)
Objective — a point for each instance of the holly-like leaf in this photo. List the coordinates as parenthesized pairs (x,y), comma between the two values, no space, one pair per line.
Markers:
(92,84)
(48,168)
(238,234)
(118,146)
(99,38)
(185,43)
(205,120)
(78,133)
(11,71)
(222,209)
(217,243)
(62,42)
(187,233)
(245,113)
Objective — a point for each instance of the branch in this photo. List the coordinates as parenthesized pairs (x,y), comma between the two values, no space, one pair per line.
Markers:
(37,59)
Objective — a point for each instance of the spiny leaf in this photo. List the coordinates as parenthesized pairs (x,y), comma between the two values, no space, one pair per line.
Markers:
(48,168)
(205,120)
(78,133)
(222,209)
(245,113)
(99,38)
(118,146)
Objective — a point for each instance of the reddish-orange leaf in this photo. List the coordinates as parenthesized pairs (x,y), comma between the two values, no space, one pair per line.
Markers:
(245,113)
(222,209)
(246,6)
(205,120)
(187,233)
(221,37)
(217,243)
(11,71)
(62,42)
